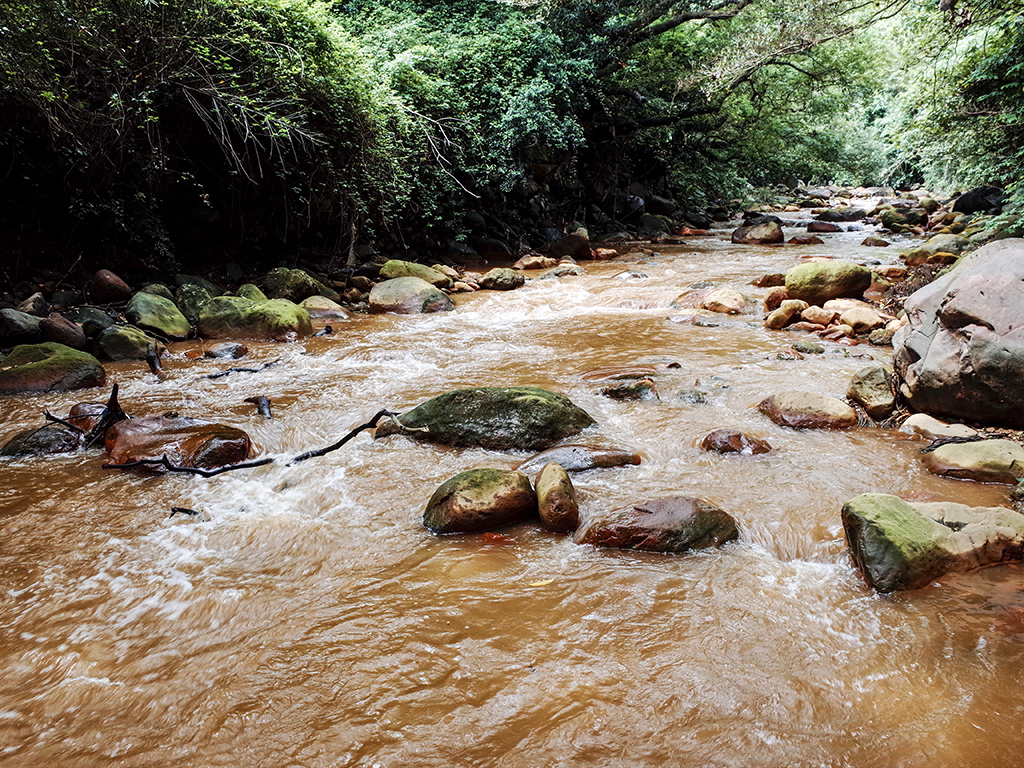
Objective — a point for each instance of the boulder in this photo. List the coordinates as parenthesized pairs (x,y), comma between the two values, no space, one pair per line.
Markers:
(18,327)
(766,233)
(557,505)
(535,261)
(961,353)
(233,317)
(157,315)
(770,280)
(979,200)
(818,315)
(408,296)
(676,524)
(901,545)
(862,319)
(479,500)
(578,458)
(808,410)
(935,247)
(190,300)
(875,242)
(35,305)
(818,281)
(806,240)
(48,367)
(43,441)
(321,306)
(773,299)
(575,246)
(896,219)
(107,288)
(211,288)
(395,268)
(295,285)
(725,301)
(987,461)
(842,214)
(502,279)
(732,441)
(787,311)
(499,418)
(158,289)
(871,386)
(124,342)
(92,319)
(821,227)
(251,292)
(59,329)
(184,441)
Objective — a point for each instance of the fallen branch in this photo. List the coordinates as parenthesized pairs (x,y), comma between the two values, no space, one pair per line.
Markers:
(112,414)
(166,463)
(229,371)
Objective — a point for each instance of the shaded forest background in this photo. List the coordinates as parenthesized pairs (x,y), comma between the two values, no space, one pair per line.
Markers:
(179,134)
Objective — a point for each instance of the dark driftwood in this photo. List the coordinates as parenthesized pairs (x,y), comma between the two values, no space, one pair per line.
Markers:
(111,415)
(936,444)
(164,462)
(229,371)
(262,403)
(182,511)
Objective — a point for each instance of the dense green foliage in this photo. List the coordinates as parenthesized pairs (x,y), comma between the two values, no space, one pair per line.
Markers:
(193,130)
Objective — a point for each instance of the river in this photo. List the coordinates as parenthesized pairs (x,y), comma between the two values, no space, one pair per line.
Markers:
(308,619)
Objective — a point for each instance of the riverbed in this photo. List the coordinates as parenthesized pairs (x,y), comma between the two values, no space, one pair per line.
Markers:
(306,618)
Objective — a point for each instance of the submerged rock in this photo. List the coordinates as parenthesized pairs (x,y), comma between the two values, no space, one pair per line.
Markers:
(499,418)
(46,440)
(676,524)
(732,441)
(579,458)
(643,389)
(808,410)
(479,500)
(557,505)
(186,442)
(902,545)
(48,367)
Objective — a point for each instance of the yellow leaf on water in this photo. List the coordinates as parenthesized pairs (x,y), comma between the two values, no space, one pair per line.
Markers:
(542,583)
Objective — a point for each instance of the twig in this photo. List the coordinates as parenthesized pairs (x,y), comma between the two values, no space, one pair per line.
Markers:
(112,414)
(57,420)
(368,425)
(229,371)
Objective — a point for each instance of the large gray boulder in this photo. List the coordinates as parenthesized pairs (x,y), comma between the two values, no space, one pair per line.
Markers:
(500,418)
(987,461)
(901,545)
(961,353)
(18,327)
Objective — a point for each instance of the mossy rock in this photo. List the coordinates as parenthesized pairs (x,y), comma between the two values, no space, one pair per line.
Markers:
(49,367)
(190,300)
(233,317)
(502,279)
(158,315)
(43,441)
(499,418)
(124,342)
(479,500)
(408,296)
(819,281)
(251,292)
(295,285)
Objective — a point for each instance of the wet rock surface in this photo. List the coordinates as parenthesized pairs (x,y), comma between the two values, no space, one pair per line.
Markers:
(186,442)
(479,500)
(676,524)
(48,367)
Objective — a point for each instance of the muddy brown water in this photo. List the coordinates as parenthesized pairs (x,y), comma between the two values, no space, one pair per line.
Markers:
(309,620)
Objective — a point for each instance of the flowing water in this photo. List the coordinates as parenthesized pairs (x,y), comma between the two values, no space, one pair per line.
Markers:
(308,619)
